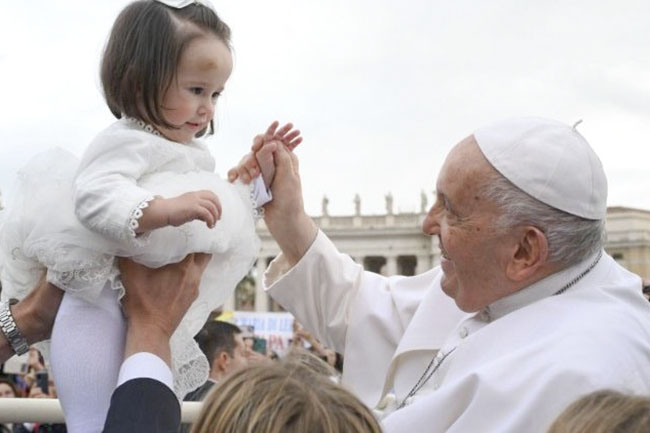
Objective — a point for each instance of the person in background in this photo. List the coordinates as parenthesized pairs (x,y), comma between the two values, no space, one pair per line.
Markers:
(605,411)
(305,339)
(8,390)
(283,397)
(224,347)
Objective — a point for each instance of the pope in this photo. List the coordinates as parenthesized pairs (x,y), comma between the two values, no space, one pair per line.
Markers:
(525,313)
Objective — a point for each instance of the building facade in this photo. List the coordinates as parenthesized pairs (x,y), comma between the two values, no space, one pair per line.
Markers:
(393,244)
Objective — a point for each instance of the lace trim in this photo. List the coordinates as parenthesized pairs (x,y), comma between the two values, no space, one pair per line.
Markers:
(258,211)
(136,214)
(189,364)
(84,277)
(144,126)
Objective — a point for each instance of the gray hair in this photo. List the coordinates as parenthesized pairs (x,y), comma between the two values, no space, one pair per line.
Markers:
(571,238)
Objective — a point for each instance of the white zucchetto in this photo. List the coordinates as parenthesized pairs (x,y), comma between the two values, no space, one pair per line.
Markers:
(548,160)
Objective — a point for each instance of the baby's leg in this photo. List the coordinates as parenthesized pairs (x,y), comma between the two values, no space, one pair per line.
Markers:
(87,352)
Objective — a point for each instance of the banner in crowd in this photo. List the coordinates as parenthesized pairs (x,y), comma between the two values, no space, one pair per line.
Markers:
(276,328)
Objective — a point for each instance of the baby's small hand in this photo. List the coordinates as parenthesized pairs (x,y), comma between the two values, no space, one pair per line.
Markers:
(246,170)
(195,205)
(286,135)
(260,160)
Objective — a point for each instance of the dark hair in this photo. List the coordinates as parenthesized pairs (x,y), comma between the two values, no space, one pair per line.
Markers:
(143,52)
(216,337)
(12,385)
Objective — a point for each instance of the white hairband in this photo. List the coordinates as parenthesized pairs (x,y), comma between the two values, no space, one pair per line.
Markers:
(180,4)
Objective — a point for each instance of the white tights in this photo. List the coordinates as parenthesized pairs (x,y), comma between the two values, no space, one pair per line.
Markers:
(86,355)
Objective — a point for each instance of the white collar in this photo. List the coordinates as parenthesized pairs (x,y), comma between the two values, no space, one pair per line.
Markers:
(541,289)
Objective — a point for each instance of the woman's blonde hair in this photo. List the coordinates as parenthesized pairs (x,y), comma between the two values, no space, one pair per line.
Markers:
(605,412)
(282,398)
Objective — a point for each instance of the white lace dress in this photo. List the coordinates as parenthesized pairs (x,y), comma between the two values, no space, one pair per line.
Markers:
(74,217)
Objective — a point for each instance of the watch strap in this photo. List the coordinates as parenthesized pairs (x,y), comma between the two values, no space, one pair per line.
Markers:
(8,326)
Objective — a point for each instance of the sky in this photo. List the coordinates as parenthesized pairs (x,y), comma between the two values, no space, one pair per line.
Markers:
(380,89)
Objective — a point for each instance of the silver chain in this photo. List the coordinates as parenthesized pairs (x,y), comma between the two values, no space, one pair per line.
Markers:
(425,377)
(431,369)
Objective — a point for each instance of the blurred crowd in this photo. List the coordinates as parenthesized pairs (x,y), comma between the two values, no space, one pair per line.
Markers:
(227,347)
(33,381)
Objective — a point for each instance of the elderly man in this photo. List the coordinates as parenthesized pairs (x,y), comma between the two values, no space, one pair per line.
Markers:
(525,314)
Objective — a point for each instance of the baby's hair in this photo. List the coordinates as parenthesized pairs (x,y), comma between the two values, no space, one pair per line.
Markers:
(283,398)
(143,52)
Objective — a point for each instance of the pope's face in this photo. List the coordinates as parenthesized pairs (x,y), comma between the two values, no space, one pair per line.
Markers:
(474,255)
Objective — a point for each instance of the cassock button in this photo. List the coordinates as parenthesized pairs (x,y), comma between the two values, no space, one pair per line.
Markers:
(463,332)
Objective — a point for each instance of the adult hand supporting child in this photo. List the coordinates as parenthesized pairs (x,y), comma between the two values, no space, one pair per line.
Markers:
(156,300)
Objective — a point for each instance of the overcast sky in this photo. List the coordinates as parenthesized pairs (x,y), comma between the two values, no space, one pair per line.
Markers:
(381,89)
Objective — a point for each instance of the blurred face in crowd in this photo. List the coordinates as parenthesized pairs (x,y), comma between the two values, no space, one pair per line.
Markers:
(6,391)
(226,363)
(239,357)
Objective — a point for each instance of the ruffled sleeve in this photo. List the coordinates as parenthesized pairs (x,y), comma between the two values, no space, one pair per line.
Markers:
(107,197)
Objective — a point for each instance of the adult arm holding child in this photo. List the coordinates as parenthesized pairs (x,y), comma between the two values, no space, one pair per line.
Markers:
(154,305)
(33,316)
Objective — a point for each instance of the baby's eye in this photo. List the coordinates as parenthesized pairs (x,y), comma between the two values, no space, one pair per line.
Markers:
(215,95)
(196,90)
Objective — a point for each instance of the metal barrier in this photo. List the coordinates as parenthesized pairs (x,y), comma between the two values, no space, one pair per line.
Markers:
(48,410)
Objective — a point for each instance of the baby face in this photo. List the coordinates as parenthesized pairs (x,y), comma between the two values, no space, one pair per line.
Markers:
(189,103)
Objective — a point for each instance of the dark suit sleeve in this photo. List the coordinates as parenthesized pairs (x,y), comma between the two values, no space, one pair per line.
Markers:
(144,406)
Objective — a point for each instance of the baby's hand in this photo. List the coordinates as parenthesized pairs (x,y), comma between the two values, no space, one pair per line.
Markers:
(246,170)
(287,135)
(176,211)
(261,159)
(253,163)
(195,205)
(271,139)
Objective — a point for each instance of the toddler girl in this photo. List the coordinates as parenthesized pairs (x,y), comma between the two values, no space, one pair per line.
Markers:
(144,189)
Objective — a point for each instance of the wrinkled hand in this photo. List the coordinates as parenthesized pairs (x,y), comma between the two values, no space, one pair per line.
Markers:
(285,215)
(195,205)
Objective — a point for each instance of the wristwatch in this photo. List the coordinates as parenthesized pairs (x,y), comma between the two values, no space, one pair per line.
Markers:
(10,330)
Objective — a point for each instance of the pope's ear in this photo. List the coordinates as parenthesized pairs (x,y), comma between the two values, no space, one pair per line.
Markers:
(530,255)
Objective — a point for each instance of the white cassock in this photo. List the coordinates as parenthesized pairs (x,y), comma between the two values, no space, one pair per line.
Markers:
(510,368)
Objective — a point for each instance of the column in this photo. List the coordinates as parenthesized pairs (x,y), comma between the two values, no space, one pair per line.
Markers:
(391,266)
(261,299)
(423,264)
